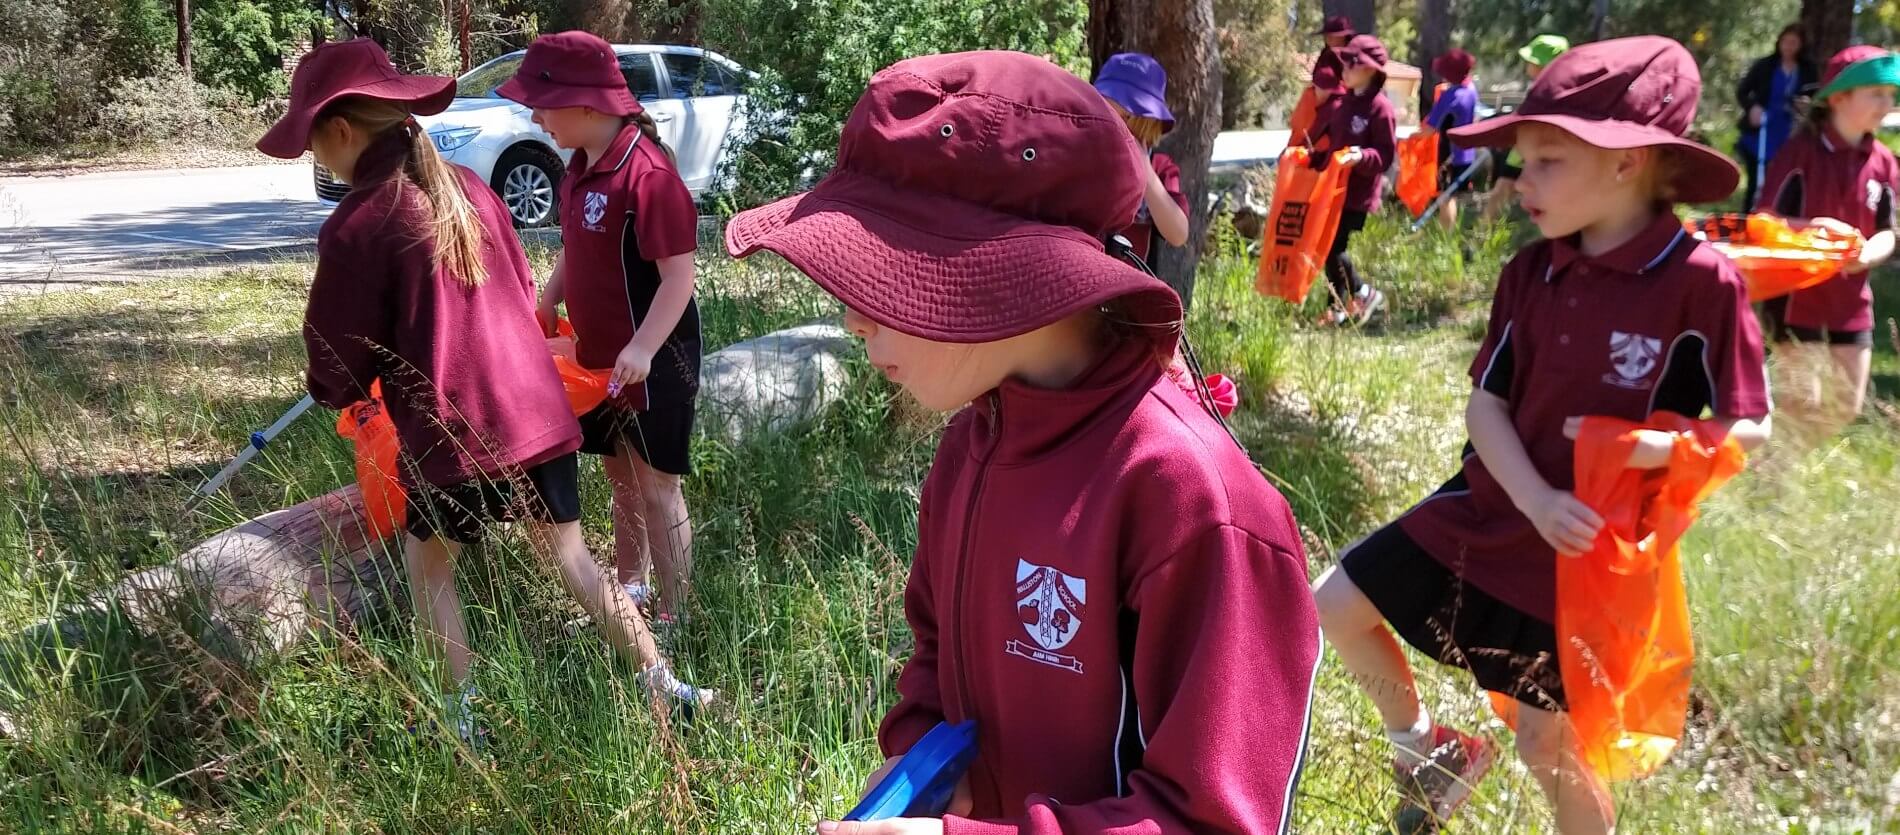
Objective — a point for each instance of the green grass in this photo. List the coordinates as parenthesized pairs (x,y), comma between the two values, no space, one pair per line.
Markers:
(116,402)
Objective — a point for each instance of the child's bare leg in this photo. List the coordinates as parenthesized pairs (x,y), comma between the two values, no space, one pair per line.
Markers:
(431,567)
(1800,370)
(1548,747)
(631,559)
(1370,652)
(1448,214)
(594,587)
(669,531)
(1853,364)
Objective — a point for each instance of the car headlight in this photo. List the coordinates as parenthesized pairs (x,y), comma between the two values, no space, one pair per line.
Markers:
(449,140)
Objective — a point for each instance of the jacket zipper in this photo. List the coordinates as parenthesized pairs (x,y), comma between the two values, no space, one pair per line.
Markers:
(963,554)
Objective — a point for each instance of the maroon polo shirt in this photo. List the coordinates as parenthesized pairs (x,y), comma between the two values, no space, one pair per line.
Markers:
(1818,174)
(466,374)
(1368,121)
(1141,233)
(618,218)
(1662,323)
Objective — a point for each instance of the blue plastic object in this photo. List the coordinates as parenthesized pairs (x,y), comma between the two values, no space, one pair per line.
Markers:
(925,779)
(258,440)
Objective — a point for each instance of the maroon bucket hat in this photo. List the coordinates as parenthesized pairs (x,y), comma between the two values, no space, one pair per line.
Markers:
(1365,49)
(571,69)
(970,202)
(1326,78)
(1337,25)
(1454,66)
(348,68)
(1620,94)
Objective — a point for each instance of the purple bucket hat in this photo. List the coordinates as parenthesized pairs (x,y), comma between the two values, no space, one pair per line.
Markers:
(1139,84)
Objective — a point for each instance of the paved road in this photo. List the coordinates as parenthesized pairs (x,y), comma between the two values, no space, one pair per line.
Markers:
(95,228)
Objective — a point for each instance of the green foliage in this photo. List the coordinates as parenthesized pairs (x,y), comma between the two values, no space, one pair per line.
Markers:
(241,44)
(815,58)
(1259,42)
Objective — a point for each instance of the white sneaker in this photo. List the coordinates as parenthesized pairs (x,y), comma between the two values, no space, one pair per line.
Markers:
(641,592)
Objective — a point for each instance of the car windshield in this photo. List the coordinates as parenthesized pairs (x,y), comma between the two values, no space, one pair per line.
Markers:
(480,83)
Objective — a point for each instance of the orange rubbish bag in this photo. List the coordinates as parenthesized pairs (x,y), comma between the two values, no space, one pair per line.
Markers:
(1774,258)
(1624,646)
(1301,224)
(1418,171)
(1305,118)
(368,426)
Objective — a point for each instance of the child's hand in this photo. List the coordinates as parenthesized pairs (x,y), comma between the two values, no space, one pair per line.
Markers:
(632,366)
(1652,450)
(1564,521)
(1353,155)
(893,826)
(547,316)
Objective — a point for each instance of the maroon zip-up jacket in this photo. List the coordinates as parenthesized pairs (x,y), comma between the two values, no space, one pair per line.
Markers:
(1110,588)
(1368,121)
(466,373)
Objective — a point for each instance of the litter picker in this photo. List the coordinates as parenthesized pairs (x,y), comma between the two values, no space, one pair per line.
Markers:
(258,441)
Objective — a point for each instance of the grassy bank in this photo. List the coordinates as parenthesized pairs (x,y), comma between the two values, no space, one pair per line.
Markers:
(117,402)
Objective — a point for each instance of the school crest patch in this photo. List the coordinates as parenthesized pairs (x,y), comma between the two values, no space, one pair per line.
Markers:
(1633,355)
(1359,124)
(593,208)
(1050,605)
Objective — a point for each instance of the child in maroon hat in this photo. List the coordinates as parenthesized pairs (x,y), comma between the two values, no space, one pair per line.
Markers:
(1618,312)
(1315,107)
(1455,107)
(1137,87)
(1103,582)
(1363,123)
(628,233)
(1834,167)
(448,329)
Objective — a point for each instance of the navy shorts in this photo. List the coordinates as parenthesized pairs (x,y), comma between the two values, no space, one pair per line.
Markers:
(546,492)
(1775,311)
(662,437)
(1455,622)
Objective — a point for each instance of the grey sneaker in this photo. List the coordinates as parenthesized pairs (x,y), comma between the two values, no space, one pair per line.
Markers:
(684,700)
(1431,791)
(1366,305)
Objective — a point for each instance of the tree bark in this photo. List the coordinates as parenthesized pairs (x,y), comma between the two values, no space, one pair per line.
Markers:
(1181,35)
(1362,13)
(1434,39)
(248,592)
(183,11)
(1830,25)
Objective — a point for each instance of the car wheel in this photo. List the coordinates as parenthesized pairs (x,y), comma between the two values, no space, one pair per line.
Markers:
(526,178)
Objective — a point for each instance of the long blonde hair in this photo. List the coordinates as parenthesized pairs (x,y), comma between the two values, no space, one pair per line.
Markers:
(454,227)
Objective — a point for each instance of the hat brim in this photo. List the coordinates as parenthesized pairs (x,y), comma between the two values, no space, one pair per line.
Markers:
(1348,32)
(539,94)
(889,253)
(1708,175)
(1880,71)
(426,95)
(1137,102)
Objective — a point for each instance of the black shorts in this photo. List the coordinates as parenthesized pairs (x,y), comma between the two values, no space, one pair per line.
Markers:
(546,492)
(1775,311)
(1455,622)
(662,437)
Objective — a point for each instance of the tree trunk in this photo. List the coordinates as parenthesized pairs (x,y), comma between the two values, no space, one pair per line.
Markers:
(1830,25)
(251,591)
(606,18)
(183,10)
(1434,39)
(1180,34)
(463,40)
(1362,13)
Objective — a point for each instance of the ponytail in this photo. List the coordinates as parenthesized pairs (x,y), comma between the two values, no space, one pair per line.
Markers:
(453,226)
(651,130)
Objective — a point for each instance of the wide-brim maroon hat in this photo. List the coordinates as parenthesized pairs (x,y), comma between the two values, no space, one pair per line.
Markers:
(341,69)
(1337,25)
(1621,94)
(970,202)
(571,69)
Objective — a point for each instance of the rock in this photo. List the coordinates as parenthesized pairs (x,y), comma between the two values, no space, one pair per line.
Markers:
(774,382)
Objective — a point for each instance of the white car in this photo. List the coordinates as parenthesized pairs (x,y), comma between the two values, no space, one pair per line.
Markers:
(695,96)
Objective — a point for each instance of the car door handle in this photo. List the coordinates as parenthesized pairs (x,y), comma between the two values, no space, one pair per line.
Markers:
(662,117)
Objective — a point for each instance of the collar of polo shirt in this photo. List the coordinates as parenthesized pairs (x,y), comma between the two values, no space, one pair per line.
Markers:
(1638,256)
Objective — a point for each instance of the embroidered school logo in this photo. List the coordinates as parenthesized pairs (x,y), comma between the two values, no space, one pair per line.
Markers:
(595,205)
(1359,124)
(1050,606)
(1633,355)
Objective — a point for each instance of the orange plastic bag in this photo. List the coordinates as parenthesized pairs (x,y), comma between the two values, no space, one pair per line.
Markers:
(586,388)
(1418,171)
(1301,224)
(1624,646)
(1305,117)
(368,426)
(1775,258)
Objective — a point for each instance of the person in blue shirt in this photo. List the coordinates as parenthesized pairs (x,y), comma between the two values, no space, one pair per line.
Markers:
(1456,106)
(1772,96)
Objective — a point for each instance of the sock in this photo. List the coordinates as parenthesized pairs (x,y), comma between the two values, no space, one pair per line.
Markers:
(1413,744)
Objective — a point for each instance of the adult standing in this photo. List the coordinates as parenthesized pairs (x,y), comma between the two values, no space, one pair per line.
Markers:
(1772,96)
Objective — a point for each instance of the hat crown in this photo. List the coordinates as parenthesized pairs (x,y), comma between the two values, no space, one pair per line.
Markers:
(1847,58)
(574,59)
(338,65)
(1004,130)
(1137,70)
(1368,47)
(1646,80)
